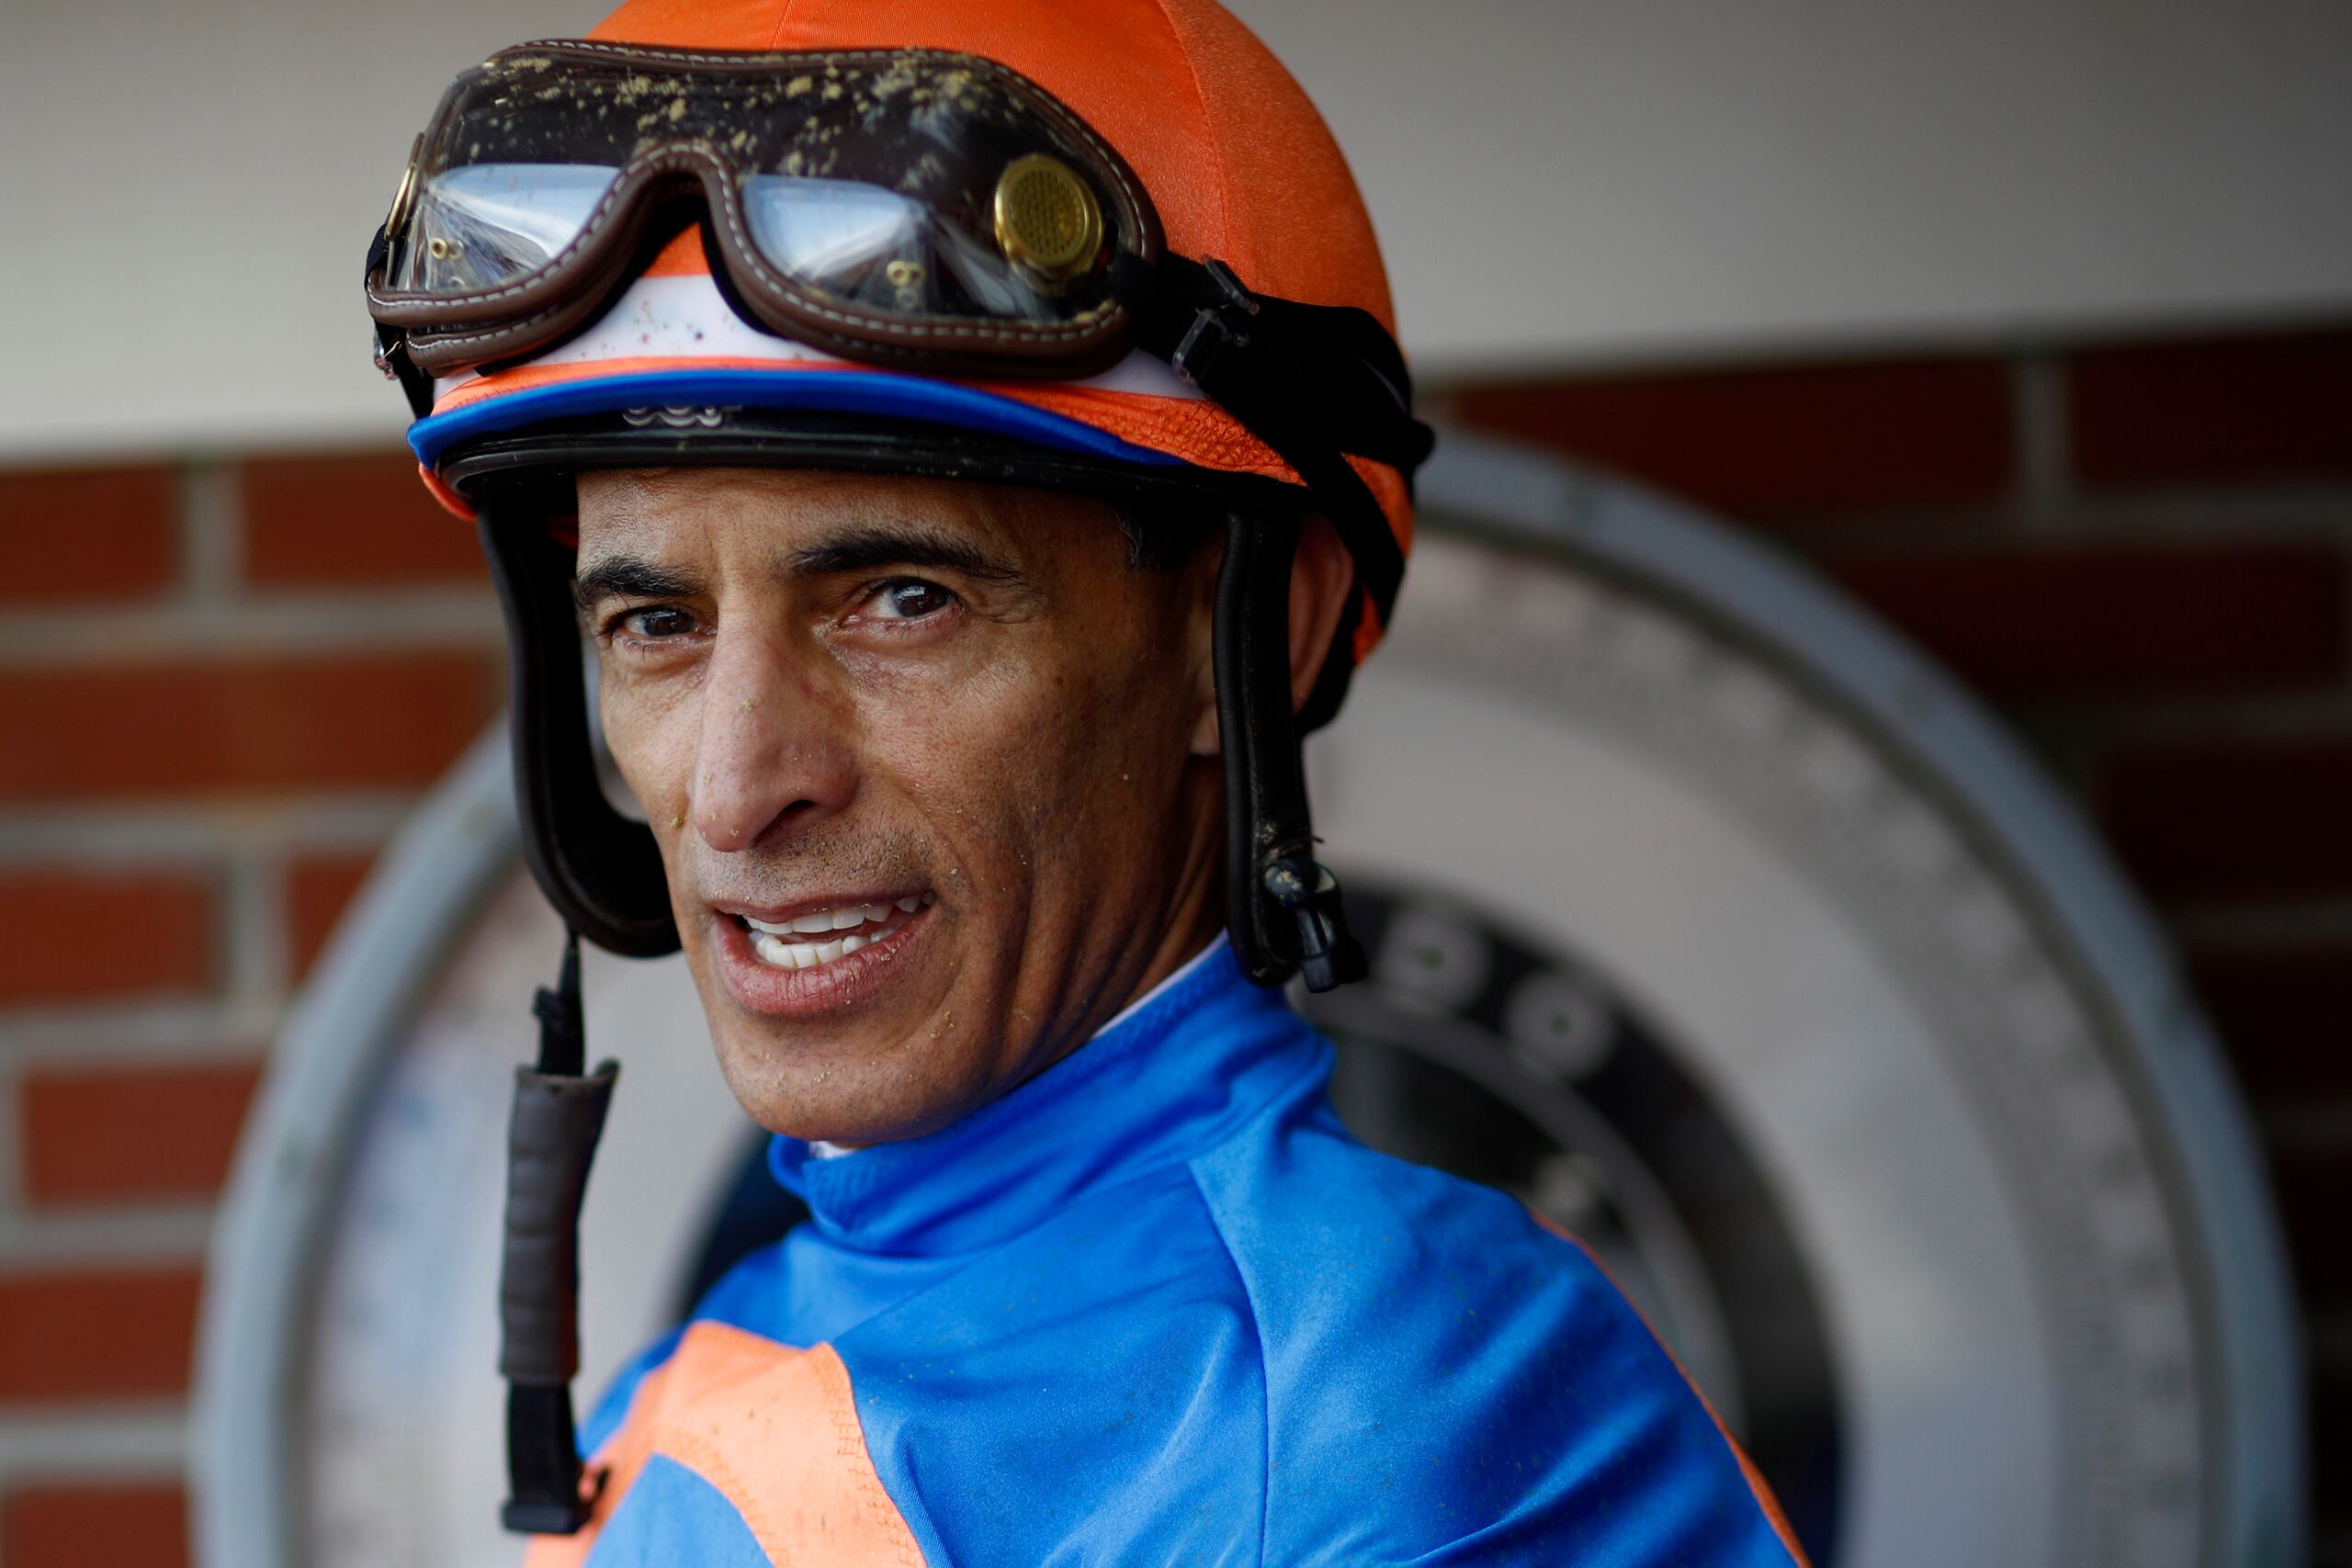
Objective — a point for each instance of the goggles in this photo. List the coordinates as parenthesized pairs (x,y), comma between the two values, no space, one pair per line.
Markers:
(909,206)
(930,211)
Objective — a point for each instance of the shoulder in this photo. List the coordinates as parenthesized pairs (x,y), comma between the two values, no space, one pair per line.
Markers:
(1430,1346)
(1333,1240)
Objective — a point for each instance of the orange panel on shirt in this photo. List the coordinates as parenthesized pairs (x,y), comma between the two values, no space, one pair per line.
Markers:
(775,1429)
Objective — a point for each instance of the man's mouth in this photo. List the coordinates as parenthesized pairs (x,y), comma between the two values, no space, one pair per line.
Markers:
(818,936)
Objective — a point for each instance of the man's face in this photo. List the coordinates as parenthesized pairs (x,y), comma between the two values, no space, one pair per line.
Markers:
(931,766)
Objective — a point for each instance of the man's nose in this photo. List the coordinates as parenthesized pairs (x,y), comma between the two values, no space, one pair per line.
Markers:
(774,749)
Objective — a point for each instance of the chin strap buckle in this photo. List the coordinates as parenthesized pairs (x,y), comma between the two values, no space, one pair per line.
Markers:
(1329,954)
(1214,328)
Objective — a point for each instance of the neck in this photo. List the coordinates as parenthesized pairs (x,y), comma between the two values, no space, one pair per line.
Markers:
(1174,1077)
(1190,916)
(1195,906)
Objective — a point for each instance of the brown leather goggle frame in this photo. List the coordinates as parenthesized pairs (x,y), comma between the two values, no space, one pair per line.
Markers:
(669,181)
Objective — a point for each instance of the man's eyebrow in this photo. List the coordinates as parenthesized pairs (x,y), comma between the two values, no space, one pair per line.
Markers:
(873,547)
(630,576)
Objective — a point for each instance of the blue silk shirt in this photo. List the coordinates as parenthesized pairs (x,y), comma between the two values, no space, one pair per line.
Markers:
(1157,1306)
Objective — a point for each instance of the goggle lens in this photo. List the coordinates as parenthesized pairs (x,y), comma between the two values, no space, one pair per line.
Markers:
(859,244)
(485,225)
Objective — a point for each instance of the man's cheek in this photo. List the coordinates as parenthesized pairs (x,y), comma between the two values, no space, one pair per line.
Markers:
(645,746)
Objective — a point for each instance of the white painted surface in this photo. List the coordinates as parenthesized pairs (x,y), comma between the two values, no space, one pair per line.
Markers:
(189,187)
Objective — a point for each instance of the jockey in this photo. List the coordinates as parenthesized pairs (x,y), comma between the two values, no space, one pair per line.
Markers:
(968,438)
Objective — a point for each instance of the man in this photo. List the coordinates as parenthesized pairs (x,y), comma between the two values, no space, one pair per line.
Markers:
(971,436)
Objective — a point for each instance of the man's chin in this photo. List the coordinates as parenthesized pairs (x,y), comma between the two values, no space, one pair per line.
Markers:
(848,1100)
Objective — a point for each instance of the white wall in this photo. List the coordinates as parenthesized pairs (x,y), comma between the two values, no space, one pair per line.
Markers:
(188,187)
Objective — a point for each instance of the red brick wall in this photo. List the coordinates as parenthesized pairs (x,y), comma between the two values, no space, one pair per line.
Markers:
(224,684)
(2138,551)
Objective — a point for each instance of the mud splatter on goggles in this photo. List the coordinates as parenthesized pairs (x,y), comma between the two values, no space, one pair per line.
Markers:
(928,208)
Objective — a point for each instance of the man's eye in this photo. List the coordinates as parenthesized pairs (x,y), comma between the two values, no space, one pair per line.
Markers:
(910,599)
(655,622)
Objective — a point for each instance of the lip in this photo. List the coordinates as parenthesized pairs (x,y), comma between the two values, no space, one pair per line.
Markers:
(777,914)
(829,988)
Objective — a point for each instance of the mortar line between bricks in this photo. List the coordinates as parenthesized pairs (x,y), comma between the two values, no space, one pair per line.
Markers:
(211,531)
(12,1135)
(2322,1129)
(2150,517)
(2218,927)
(2045,499)
(2206,718)
(110,1054)
(2229,510)
(105,1238)
(120,1441)
(191,832)
(424,620)
(2328,1339)
(252,931)
(2344,599)
(2333,1549)
(133,1033)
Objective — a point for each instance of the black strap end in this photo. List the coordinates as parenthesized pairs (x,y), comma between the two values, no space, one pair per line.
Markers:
(543,1465)
(1329,954)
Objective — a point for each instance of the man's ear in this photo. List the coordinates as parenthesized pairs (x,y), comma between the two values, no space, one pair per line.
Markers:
(1321,578)
(1322,575)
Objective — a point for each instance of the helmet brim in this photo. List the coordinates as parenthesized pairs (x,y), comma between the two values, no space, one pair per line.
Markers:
(857,422)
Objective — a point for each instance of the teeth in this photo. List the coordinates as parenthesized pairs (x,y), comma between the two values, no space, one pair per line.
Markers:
(771,938)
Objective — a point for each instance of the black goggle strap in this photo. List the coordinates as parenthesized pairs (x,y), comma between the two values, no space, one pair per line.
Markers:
(1315,383)
(391,343)
(1282,906)
(551,1141)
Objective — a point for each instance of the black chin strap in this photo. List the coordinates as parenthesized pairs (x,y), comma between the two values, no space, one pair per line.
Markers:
(551,1140)
(1319,385)
(601,870)
(1284,906)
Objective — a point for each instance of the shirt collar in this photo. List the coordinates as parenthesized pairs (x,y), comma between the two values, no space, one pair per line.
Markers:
(1174,1074)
